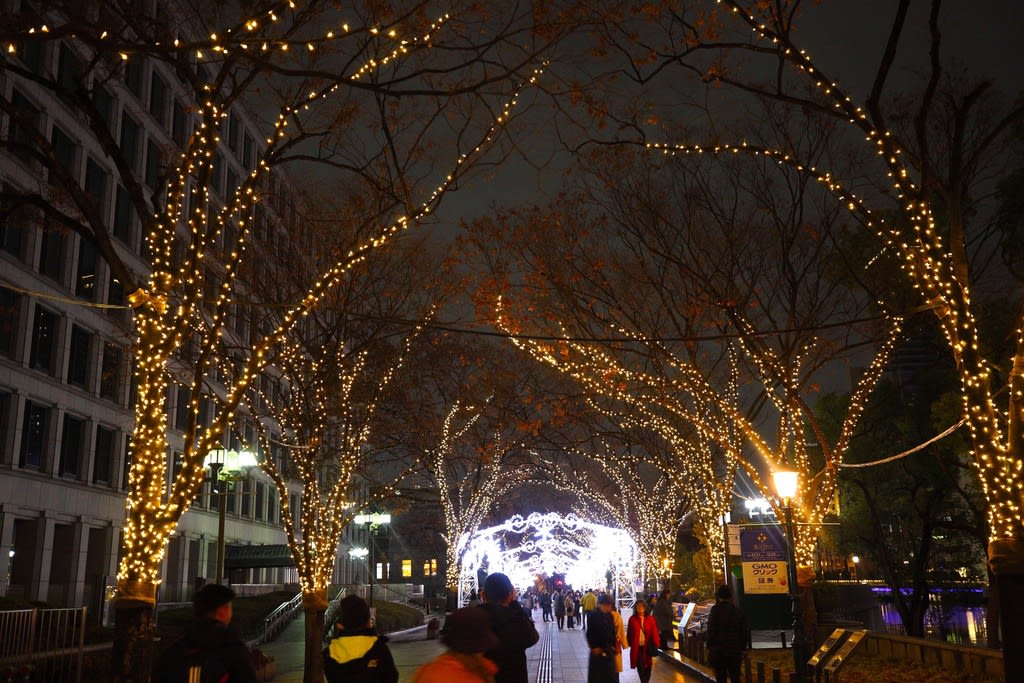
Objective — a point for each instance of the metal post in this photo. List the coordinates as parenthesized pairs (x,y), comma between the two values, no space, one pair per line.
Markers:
(215,468)
(373,561)
(799,641)
(725,554)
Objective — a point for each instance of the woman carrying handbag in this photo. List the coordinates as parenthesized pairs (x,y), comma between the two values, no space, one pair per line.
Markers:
(642,634)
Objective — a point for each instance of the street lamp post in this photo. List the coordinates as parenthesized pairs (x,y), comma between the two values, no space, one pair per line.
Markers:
(372,521)
(786,484)
(224,467)
(358,554)
(856,567)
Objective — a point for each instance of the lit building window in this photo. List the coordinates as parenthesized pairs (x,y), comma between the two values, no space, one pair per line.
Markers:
(406,569)
(430,568)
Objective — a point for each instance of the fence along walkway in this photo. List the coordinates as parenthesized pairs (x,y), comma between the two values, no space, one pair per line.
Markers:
(49,643)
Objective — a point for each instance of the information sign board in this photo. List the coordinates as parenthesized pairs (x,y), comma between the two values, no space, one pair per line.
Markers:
(763,551)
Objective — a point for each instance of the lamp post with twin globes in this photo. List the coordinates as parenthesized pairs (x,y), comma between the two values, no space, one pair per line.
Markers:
(372,521)
(225,468)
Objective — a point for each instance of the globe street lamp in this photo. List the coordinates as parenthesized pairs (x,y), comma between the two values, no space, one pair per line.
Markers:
(372,521)
(358,553)
(786,485)
(856,566)
(225,466)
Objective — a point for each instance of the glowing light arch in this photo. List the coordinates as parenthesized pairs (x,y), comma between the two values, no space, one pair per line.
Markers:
(549,543)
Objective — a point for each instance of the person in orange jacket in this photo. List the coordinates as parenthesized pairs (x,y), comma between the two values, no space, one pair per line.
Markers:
(467,634)
(643,637)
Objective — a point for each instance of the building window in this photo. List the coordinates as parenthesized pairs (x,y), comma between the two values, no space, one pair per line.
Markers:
(246,485)
(379,572)
(14,225)
(110,373)
(6,403)
(65,151)
(233,132)
(51,253)
(272,507)
(33,435)
(96,186)
(123,216)
(430,568)
(179,124)
(115,296)
(69,70)
(154,163)
(104,455)
(78,357)
(406,569)
(261,494)
(44,340)
(130,140)
(23,126)
(85,277)
(10,316)
(72,439)
(104,103)
(158,100)
(134,76)
(181,408)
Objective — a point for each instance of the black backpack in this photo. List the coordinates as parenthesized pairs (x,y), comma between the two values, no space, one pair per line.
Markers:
(186,662)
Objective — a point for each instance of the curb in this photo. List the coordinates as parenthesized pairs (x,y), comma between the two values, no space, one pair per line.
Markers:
(688,666)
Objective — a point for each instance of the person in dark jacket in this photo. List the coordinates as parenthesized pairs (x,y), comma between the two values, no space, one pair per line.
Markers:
(601,637)
(211,649)
(545,607)
(728,637)
(514,629)
(358,654)
(663,616)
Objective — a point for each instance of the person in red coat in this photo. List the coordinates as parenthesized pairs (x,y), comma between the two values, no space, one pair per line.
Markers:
(644,641)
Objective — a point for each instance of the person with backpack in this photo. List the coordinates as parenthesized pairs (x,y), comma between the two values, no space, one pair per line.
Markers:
(211,651)
(358,654)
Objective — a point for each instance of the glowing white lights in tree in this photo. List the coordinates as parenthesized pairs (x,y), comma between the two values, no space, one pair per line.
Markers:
(549,543)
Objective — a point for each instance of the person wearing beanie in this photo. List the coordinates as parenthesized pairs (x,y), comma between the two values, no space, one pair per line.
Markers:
(211,648)
(514,629)
(358,653)
(467,635)
(728,636)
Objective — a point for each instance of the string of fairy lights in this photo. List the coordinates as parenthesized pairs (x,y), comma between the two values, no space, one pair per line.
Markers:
(170,308)
(659,399)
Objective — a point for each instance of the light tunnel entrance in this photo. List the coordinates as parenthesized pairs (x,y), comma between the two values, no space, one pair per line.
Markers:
(590,555)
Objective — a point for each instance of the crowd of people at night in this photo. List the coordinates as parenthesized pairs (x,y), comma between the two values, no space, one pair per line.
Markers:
(487,640)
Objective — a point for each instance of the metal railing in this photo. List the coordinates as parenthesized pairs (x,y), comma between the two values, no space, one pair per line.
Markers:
(332,609)
(279,618)
(47,644)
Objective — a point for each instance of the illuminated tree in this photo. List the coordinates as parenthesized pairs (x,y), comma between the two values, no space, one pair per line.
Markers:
(938,146)
(328,425)
(364,92)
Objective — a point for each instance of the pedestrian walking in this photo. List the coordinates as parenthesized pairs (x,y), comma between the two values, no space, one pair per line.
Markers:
(570,609)
(559,604)
(512,626)
(643,638)
(467,635)
(728,636)
(587,604)
(545,606)
(358,653)
(601,640)
(620,638)
(663,616)
(211,649)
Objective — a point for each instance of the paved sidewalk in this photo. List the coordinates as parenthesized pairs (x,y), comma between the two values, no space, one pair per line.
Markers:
(559,657)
